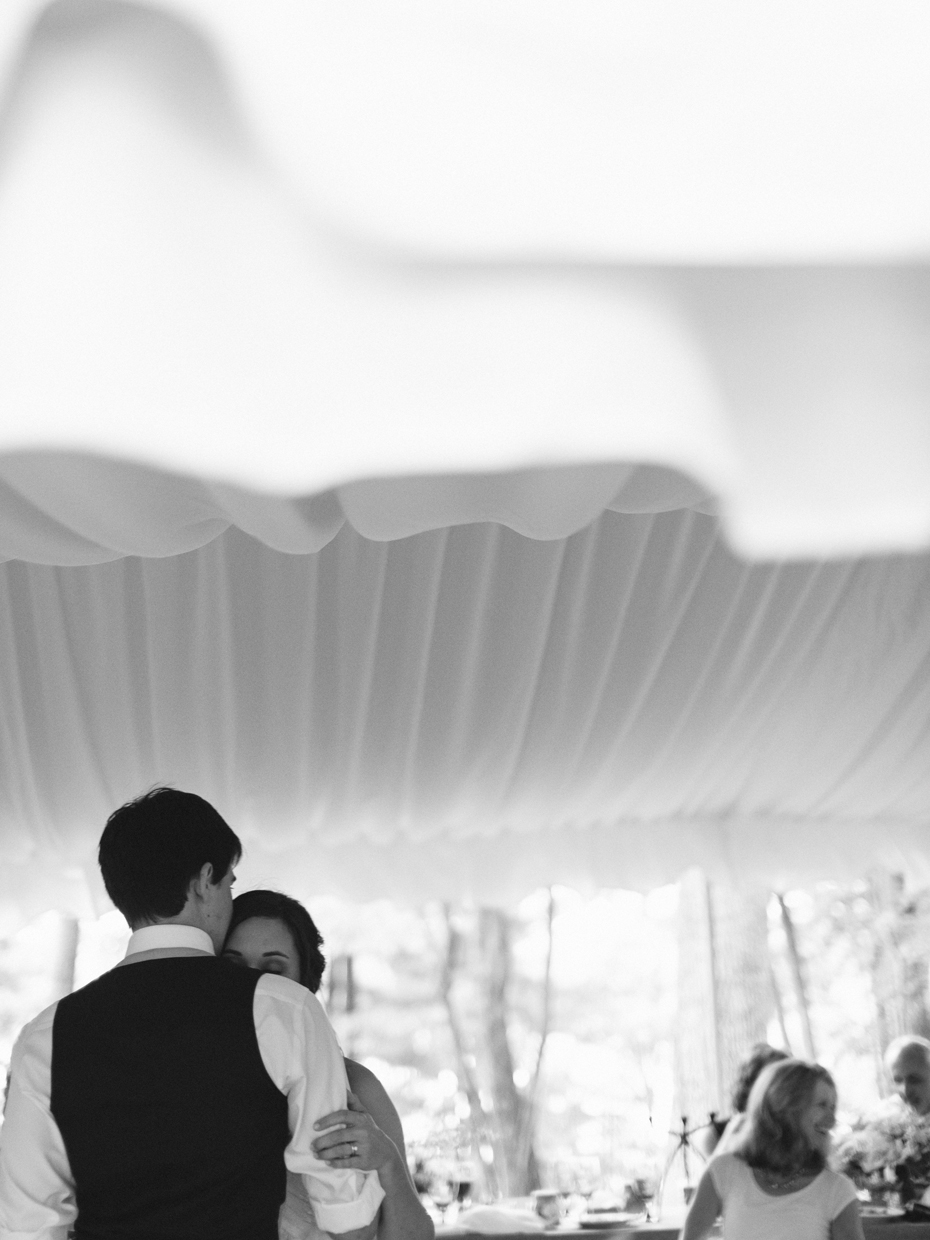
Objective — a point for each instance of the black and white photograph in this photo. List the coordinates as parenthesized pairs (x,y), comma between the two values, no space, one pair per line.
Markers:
(464,619)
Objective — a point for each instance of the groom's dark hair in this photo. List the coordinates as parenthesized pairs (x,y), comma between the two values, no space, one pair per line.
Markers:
(152,847)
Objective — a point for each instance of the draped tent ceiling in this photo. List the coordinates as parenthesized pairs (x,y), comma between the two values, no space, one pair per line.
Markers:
(476,445)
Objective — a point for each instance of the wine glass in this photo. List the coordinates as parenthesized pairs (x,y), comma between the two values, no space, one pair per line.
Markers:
(645,1186)
(464,1184)
(463,1172)
(442,1188)
(587,1173)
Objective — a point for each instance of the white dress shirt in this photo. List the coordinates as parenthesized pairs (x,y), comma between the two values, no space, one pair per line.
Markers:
(36,1186)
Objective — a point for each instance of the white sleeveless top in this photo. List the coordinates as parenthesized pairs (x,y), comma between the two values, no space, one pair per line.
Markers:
(751,1214)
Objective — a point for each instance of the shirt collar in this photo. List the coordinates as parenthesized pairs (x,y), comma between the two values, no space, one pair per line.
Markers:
(151,938)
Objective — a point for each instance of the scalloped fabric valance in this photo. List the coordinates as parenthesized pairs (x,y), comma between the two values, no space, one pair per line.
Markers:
(478,445)
(316,248)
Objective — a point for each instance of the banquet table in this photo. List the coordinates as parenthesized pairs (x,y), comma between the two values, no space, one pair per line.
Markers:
(874,1228)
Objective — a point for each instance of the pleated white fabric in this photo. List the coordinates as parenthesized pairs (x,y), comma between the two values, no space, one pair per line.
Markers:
(469,712)
(387,394)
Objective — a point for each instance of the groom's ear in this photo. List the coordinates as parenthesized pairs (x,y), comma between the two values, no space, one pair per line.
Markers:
(200,882)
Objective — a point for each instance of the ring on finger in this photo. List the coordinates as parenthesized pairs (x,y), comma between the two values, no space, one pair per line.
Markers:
(354,1148)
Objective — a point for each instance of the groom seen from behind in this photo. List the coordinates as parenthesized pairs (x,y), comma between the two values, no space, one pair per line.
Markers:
(163,1100)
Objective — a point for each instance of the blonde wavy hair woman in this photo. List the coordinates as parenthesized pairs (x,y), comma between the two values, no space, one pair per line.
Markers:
(774,1182)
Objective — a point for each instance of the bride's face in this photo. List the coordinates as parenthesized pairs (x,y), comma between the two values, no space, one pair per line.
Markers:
(264,943)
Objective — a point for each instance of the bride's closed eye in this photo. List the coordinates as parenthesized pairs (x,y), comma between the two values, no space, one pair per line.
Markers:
(271,964)
(265,944)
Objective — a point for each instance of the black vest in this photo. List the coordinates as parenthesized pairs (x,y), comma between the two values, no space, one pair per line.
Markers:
(173,1128)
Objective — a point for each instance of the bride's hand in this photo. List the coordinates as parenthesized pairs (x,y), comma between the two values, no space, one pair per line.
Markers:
(358,1145)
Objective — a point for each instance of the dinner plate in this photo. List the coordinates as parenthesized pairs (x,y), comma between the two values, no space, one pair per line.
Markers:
(608,1218)
(880,1212)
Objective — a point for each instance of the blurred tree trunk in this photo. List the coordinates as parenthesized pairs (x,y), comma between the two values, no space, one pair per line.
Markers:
(342,997)
(779,1007)
(480,1123)
(745,1000)
(341,992)
(798,979)
(697,1067)
(529,1113)
(724,990)
(351,998)
(899,959)
(65,958)
(502,1116)
(517,1175)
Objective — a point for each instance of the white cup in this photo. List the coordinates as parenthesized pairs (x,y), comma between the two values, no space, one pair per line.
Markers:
(546,1205)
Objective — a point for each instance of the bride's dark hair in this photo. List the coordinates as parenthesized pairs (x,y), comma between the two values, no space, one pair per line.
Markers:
(279,907)
(771,1137)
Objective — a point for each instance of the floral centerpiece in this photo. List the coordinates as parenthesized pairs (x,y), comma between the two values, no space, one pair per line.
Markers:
(887,1152)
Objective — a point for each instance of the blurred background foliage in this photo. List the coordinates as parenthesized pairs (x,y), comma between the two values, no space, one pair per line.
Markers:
(563,1038)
